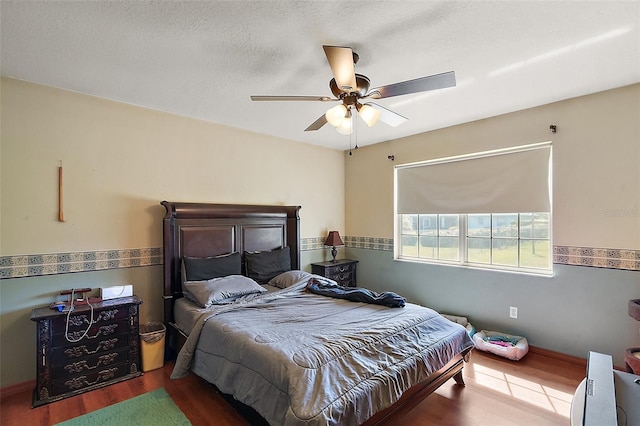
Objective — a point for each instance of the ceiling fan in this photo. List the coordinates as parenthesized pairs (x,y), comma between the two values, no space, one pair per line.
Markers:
(350,88)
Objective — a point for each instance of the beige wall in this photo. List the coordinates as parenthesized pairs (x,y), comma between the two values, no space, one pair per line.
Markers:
(119,162)
(596,172)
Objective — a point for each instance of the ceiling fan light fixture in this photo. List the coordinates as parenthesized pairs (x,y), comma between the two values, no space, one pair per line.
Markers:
(336,115)
(369,114)
(349,88)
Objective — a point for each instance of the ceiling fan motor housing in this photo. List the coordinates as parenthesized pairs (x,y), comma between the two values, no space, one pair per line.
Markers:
(362,82)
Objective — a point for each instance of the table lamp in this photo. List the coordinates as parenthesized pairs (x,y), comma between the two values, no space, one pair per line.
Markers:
(333,240)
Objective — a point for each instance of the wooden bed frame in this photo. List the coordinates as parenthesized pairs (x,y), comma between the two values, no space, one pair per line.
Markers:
(203,230)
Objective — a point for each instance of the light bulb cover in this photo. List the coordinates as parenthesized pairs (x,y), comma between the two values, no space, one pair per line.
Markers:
(336,114)
(345,127)
(369,114)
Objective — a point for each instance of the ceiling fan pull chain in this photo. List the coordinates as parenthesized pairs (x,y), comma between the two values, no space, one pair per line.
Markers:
(350,118)
(354,122)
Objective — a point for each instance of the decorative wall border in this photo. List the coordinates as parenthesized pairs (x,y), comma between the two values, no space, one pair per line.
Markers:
(314,243)
(597,257)
(34,265)
(371,243)
(63,263)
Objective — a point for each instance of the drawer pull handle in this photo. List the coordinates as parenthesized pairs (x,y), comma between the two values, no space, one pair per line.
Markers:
(79,366)
(81,382)
(78,351)
(104,330)
(102,316)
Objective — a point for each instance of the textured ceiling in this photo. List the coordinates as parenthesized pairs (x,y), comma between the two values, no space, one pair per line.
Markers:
(204,59)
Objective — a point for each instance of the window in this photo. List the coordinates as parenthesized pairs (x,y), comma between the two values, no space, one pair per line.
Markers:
(489,210)
(514,241)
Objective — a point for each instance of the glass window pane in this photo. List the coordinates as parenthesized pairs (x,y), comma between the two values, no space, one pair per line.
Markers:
(479,250)
(541,225)
(449,248)
(429,247)
(409,224)
(428,224)
(449,224)
(534,254)
(505,225)
(479,225)
(526,225)
(409,245)
(505,251)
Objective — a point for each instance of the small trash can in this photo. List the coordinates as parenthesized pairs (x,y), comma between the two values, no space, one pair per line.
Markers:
(152,345)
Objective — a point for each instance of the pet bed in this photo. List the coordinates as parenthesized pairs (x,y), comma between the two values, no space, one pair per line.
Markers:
(501,344)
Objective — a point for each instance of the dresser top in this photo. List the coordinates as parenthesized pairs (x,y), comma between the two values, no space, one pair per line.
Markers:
(336,263)
(47,312)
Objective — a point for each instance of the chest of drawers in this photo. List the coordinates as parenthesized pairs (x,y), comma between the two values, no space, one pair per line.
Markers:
(70,362)
(343,271)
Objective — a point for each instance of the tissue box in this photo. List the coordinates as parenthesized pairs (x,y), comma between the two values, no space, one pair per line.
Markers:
(117,291)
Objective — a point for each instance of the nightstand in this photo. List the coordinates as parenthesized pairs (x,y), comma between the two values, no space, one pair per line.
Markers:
(343,271)
(107,354)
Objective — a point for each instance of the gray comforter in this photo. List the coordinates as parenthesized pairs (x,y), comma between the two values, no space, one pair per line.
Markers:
(305,359)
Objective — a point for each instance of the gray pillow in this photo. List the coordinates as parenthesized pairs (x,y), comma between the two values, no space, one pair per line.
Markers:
(289,278)
(223,290)
(264,265)
(205,268)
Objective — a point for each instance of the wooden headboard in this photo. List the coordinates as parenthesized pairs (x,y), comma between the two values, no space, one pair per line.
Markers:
(205,230)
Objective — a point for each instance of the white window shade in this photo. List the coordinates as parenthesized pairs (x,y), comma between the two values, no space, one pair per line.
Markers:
(504,182)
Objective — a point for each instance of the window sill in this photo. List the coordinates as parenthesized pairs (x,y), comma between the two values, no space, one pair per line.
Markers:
(491,268)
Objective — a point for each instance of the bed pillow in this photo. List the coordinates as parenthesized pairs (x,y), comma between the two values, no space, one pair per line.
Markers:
(206,268)
(289,278)
(264,265)
(222,290)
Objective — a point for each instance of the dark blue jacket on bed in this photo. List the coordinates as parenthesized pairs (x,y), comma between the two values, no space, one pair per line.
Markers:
(356,294)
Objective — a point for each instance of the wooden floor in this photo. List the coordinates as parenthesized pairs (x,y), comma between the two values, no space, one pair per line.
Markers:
(536,391)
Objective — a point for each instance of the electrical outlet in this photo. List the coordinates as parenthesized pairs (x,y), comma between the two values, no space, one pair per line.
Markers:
(513,312)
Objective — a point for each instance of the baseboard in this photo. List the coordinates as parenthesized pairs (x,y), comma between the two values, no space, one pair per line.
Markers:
(558,355)
(11,390)
(564,357)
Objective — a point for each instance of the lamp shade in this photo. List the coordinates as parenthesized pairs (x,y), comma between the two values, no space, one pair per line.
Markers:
(345,127)
(333,239)
(335,115)
(369,114)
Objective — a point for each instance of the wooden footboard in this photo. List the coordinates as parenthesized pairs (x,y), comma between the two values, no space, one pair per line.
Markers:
(419,392)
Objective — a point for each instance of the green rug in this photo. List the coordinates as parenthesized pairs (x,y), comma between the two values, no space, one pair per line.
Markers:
(155,408)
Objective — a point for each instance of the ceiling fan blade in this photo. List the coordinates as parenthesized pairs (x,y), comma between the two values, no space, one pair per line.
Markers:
(387,116)
(423,84)
(317,124)
(292,98)
(341,63)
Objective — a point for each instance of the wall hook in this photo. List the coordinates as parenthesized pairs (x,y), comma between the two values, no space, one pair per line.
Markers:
(553,128)
(391,157)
